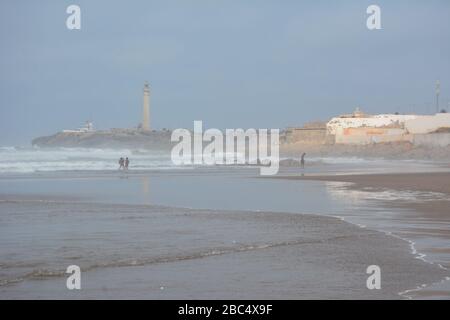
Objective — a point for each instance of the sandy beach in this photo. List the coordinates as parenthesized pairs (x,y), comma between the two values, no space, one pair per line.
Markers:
(426,182)
(225,150)
(177,253)
(222,232)
(421,181)
(421,199)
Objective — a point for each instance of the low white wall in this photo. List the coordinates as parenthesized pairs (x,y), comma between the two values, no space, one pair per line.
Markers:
(428,124)
(432,139)
(363,140)
(365,135)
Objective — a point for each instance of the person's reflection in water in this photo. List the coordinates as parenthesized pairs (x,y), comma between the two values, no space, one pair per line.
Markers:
(146,190)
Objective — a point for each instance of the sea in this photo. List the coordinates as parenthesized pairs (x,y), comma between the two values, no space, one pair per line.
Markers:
(164,231)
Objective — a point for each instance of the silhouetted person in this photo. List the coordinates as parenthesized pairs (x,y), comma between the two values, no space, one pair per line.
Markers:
(302,160)
(127,162)
(121,163)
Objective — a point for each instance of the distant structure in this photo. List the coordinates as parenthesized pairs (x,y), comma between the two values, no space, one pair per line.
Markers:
(146,108)
(309,133)
(88,127)
(361,128)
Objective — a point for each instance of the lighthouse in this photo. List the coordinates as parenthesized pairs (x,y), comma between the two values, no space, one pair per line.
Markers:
(146,108)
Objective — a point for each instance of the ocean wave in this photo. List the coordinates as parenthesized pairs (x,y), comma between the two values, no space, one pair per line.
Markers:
(45,273)
(29,160)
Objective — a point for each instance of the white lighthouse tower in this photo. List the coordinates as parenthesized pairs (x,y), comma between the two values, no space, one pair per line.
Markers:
(146,108)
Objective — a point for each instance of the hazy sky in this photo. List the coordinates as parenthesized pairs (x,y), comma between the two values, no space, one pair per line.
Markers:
(259,64)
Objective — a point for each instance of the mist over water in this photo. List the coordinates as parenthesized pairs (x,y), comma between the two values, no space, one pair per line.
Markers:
(28,160)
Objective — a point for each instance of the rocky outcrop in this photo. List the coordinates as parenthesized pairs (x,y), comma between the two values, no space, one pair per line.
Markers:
(116,138)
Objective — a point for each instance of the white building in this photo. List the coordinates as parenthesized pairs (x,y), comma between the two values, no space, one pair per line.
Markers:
(359,128)
(359,119)
(88,127)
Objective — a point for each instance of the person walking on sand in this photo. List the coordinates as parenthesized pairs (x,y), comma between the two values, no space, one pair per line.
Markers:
(127,162)
(121,162)
(302,161)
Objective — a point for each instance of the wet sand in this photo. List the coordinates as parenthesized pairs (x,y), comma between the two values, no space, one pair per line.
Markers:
(436,182)
(420,205)
(421,181)
(139,251)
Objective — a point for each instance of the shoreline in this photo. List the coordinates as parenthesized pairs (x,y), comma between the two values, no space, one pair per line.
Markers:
(283,247)
(354,250)
(416,181)
(433,186)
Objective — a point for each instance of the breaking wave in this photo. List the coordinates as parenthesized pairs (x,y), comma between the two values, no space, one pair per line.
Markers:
(45,273)
(28,160)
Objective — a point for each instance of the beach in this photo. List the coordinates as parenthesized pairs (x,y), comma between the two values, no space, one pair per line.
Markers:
(416,181)
(135,251)
(216,232)
(425,205)
(224,151)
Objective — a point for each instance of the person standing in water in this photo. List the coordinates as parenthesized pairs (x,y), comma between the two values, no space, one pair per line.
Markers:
(127,162)
(121,163)
(302,161)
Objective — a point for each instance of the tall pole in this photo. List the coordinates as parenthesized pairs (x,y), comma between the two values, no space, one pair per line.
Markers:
(438,91)
(146,108)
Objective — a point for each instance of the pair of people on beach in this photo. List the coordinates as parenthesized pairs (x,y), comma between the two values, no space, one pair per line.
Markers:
(124,163)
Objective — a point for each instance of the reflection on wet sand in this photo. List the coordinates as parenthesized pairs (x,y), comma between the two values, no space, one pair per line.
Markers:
(399,212)
(146,189)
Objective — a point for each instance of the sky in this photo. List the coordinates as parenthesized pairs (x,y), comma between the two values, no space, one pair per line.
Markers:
(231,64)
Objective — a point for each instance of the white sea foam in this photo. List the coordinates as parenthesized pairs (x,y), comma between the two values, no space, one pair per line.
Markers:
(28,160)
